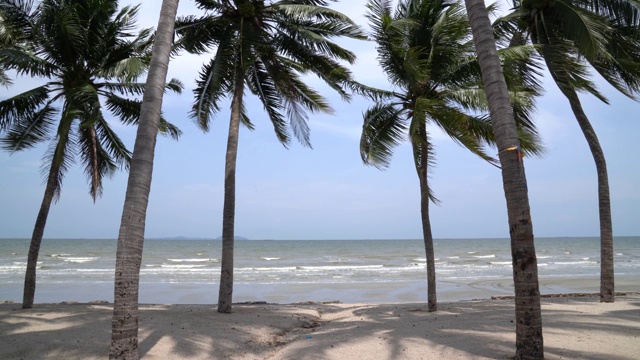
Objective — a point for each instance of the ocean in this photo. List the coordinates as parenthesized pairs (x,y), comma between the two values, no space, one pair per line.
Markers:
(285,271)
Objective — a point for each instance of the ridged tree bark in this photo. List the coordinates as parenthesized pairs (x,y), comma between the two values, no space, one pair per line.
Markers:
(529,341)
(607,281)
(28,295)
(124,330)
(225,293)
(422,167)
(36,239)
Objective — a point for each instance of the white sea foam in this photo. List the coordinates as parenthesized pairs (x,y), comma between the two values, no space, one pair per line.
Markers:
(80,259)
(330,268)
(272,269)
(574,262)
(500,262)
(270,258)
(420,259)
(472,252)
(453,257)
(193,260)
(485,256)
(59,255)
(165,266)
(12,267)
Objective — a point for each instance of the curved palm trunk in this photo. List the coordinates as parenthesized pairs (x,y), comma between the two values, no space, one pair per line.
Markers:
(36,238)
(422,167)
(529,342)
(606,232)
(225,293)
(124,325)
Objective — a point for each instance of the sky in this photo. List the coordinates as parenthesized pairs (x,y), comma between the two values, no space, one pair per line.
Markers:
(327,192)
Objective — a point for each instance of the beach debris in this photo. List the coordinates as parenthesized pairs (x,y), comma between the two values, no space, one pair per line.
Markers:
(251,303)
(562,295)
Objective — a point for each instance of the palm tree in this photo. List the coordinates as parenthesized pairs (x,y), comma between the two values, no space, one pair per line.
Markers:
(266,47)
(11,13)
(529,340)
(88,54)
(124,325)
(604,34)
(425,50)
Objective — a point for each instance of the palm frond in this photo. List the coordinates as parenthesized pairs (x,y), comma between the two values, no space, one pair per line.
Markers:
(384,128)
(587,30)
(29,130)
(468,131)
(61,152)
(128,112)
(262,85)
(112,144)
(97,162)
(168,129)
(133,89)
(25,63)
(198,35)
(22,105)
(567,71)
(5,80)
(213,83)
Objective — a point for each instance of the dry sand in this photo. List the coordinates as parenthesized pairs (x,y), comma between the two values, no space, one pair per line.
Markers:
(574,328)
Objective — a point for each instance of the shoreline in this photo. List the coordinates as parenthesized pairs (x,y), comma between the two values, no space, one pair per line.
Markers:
(574,327)
(339,302)
(283,293)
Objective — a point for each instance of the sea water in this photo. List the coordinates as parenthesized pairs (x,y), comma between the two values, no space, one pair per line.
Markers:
(285,271)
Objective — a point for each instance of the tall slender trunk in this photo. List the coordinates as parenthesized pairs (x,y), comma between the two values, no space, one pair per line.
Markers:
(41,221)
(124,325)
(225,294)
(36,238)
(422,168)
(529,341)
(607,283)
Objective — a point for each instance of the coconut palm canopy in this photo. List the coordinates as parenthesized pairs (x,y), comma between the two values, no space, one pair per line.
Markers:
(88,57)
(425,49)
(333,172)
(268,48)
(572,38)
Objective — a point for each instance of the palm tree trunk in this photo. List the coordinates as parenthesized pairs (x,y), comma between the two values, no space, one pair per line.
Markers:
(529,341)
(36,238)
(225,294)
(422,168)
(607,283)
(124,325)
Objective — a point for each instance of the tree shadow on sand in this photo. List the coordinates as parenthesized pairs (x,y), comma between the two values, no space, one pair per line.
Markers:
(573,328)
(83,331)
(482,329)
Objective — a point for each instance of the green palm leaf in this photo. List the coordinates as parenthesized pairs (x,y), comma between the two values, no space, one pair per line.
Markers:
(384,128)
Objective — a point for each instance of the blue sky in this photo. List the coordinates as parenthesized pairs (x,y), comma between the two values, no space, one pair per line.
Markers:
(326,192)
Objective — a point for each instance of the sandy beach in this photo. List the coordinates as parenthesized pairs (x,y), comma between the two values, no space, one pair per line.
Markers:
(574,328)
